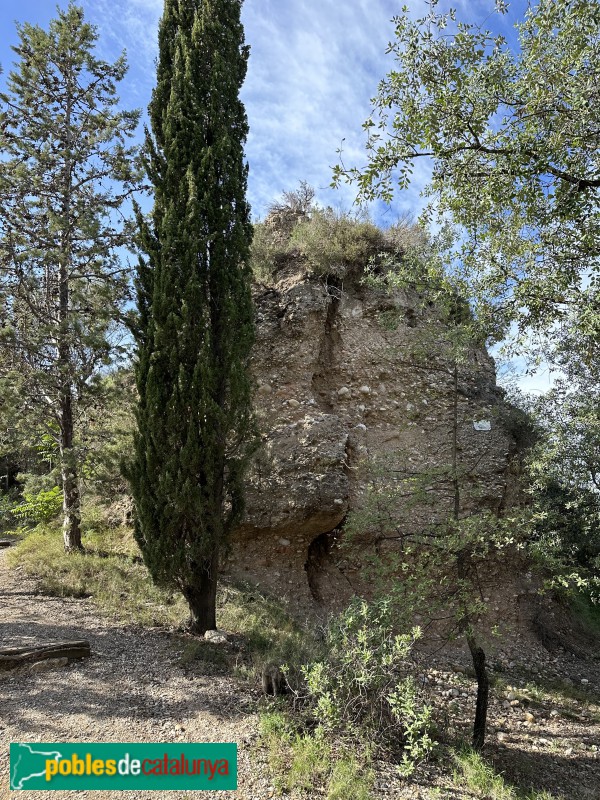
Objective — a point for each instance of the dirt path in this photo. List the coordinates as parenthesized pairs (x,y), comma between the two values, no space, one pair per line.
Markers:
(130,690)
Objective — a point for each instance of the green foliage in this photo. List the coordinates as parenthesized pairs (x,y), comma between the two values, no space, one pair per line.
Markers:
(110,571)
(307,763)
(7,519)
(363,687)
(107,436)
(268,253)
(330,243)
(587,610)
(350,780)
(336,244)
(480,778)
(564,471)
(41,507)
(66,172)
(513,134)
(270,634)
(195,327)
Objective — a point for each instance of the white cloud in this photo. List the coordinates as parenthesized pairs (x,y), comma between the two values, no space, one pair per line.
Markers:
(313,68)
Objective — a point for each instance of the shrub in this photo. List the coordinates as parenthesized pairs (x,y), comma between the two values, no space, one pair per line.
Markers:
(268,251)
(336,243)
(364,687)
(328,242)
(41,507)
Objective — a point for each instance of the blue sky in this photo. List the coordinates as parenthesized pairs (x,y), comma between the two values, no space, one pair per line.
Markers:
(314,66)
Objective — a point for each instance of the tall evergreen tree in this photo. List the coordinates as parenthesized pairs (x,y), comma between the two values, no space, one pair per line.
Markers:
(195,328)
(65,172)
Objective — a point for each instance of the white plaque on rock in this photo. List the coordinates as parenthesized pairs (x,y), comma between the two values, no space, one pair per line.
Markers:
(482,425)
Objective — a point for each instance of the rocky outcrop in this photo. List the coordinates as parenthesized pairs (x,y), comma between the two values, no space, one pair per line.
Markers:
(347,376)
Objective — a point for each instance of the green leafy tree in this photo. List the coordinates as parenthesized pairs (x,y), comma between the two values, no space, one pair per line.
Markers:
(65,173)
(513,134)
(196,321)
(564,471)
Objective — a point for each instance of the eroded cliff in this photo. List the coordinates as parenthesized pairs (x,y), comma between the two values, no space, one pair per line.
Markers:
(346,377)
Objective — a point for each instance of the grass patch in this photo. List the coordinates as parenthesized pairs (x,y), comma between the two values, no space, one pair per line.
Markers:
(270,634)
(480,778)
(109,571)
(307,764)
(204,657)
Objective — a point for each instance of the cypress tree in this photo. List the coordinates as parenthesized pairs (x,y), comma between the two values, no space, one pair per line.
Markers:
(195,324)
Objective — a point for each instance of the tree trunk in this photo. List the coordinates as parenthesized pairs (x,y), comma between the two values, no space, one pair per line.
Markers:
(464,565)
(483,689)
(478,657)
(71,499)
(202,597)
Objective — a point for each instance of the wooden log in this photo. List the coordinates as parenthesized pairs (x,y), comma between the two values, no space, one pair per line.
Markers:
(6,542)
(13,657)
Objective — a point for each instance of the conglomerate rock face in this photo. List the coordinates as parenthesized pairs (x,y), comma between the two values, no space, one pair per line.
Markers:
(348,377)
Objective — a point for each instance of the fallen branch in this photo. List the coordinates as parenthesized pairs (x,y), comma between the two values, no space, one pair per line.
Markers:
(13,657)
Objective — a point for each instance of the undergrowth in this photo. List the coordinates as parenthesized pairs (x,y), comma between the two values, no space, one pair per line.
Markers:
(308,764)
(587,611)
(474,773)
(110,571)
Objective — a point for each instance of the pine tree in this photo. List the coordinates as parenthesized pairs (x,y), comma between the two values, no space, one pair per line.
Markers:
(65,172)
(195,327)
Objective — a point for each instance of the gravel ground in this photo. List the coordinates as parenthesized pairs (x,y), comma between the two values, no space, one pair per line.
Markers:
(130,690)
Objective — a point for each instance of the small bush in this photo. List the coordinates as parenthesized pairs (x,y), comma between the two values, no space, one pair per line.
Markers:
(326,242)
(268,252)
(41,507)
(336,243)
(364,687)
